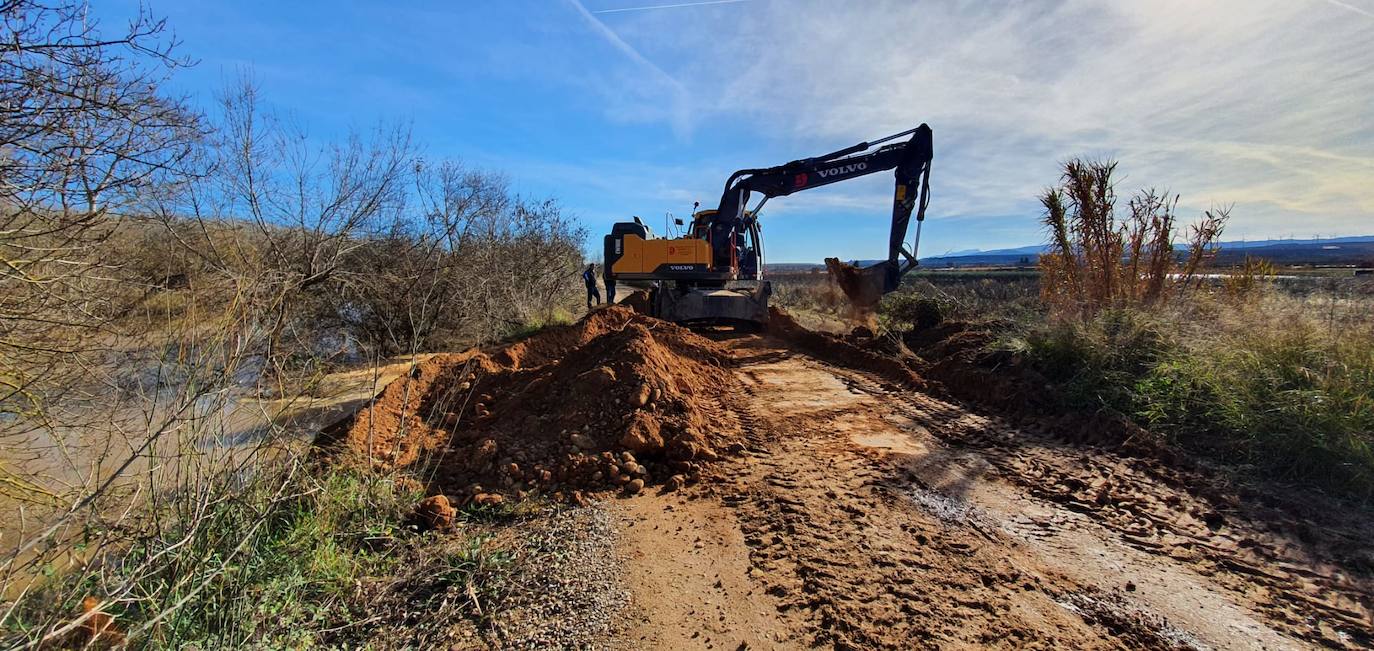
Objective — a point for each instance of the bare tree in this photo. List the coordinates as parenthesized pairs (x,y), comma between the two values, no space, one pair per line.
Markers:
(85,129)
(467,261)
(109,189)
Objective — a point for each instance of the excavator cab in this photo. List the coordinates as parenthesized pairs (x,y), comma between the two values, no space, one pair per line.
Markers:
(711,276)
(738,246)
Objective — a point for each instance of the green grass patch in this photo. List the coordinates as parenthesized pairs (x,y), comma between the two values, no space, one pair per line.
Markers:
(300,562)
(1293,402)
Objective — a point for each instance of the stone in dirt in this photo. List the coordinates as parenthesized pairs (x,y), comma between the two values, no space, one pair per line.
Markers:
(642,435)
(488,499)
(434,512)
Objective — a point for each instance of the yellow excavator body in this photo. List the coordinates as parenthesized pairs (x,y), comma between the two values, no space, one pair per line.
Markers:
(652,258)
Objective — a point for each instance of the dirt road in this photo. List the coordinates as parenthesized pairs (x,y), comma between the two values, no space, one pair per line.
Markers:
(840,493)
(864,515)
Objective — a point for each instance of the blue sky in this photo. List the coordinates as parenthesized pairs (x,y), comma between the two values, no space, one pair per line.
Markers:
(1264,104)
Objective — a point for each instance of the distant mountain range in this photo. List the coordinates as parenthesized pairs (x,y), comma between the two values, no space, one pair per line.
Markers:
(1357,249)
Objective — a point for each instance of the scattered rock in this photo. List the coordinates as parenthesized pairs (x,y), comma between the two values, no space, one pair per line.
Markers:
(434,512)
(488,499)
(601,377)
(582,441)
(485,452)
(634,486)
(643,435)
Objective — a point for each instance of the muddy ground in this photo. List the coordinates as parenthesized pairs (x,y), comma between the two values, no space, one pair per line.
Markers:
(841,498)
(867,515)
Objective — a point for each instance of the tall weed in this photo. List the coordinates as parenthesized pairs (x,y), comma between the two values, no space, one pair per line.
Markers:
(1099,260)
(1292,401)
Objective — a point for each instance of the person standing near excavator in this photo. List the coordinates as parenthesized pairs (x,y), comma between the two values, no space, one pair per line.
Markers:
(589,277)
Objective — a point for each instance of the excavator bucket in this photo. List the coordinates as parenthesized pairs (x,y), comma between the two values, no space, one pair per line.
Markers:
(863,286)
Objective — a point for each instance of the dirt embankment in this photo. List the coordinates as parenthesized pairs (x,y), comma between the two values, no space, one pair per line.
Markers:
(1302,558)
(837,350)
(615,401)
(856,508)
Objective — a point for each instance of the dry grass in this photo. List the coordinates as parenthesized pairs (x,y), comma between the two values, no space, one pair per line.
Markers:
(1273,383)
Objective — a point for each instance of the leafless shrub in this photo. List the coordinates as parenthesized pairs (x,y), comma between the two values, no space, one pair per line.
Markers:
(85,130)
(1098,260)
(468,263)
(169,293)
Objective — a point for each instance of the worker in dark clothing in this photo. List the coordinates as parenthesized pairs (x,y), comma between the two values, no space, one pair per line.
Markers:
(589,277)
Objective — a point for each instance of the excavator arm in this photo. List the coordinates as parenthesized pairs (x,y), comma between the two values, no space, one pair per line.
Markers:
(910,161)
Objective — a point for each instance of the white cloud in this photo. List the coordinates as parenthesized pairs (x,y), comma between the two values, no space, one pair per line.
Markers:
(1260,103)
(679,110)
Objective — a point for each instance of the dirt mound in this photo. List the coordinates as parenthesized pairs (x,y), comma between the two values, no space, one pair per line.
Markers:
(837,350)
(638,301)
(616,400)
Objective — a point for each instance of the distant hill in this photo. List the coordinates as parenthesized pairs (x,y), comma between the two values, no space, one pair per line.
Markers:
(1355,250)
(1337,250)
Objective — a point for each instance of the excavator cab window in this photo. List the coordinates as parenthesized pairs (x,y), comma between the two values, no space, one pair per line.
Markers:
(701,224)
(749,249)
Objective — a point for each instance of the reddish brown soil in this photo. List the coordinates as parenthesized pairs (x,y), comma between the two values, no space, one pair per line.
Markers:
(869,515)
(615,400)
(1306,557)
(839,351)
(637,300)
(857,285)
(877,494)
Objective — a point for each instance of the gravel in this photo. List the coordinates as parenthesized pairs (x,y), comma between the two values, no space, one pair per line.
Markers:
(566,591)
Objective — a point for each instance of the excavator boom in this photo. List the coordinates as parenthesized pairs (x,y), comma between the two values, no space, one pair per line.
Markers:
(910,161)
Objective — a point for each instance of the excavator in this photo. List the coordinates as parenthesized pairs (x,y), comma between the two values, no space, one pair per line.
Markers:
(714,273)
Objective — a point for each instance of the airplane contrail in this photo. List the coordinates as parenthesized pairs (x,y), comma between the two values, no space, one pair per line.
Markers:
(679,97)
(672,6)
(1353,8)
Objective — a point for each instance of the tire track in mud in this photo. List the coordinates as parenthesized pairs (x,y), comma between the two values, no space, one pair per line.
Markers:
(1288,582)
(836,538)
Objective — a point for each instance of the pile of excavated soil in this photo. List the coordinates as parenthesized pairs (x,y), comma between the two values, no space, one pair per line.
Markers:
(638,300)
(616,401)
(837,350)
